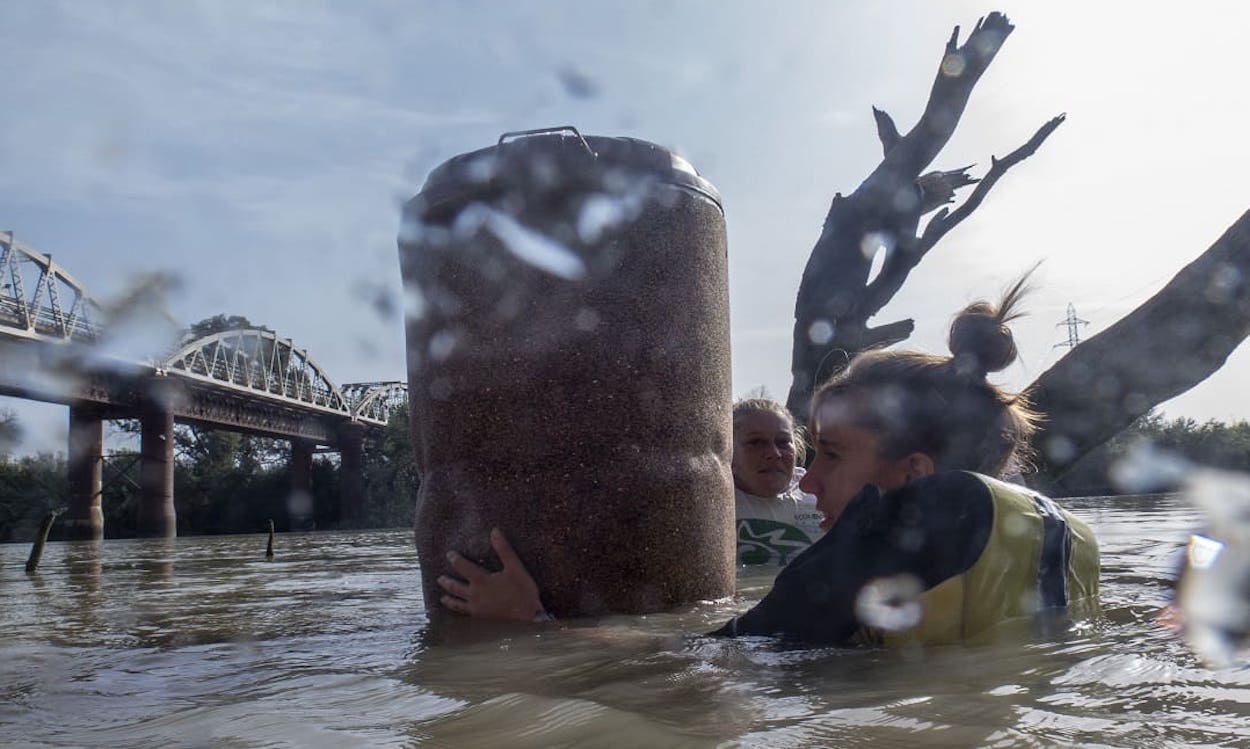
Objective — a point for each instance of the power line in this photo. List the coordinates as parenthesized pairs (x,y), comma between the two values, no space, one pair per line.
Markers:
(1073,324)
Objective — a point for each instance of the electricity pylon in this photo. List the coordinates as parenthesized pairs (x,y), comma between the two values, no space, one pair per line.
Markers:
(1073,324)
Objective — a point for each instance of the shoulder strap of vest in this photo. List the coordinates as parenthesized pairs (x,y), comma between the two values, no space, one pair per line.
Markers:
(1056,547)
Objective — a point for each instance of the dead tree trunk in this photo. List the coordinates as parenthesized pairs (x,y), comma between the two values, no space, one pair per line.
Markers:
(837,297)
(1173,341)
(1169,344)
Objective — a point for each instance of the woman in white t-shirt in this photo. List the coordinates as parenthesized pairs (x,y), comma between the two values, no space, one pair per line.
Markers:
(774,519)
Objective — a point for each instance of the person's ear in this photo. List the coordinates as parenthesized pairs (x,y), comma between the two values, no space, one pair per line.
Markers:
(919,465)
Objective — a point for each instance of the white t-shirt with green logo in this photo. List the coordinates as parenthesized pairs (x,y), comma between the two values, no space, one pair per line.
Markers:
(773,530)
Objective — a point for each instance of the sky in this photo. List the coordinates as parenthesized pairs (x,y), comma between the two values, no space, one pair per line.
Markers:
(258,152)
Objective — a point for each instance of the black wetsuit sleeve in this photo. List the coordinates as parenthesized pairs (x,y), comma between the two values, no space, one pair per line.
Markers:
(931,529)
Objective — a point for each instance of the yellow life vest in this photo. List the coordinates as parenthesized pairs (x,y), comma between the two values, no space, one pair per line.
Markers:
(1038,556)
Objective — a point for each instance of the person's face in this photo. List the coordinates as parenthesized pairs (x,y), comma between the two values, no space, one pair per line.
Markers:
(847,458)
(763,461)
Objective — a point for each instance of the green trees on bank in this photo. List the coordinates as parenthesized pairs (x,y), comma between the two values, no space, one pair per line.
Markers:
(224,482)
(30,487)
(1214,444)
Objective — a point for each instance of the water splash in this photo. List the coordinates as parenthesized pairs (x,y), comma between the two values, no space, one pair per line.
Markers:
(586,320)
(482,169)
(876,247)
(1214,589)
(378,296)
(1059,449)
(138,323)
(953,65)
(906,199)
(413,302)
(1224,285)
(890,603)
(299,504)
(601,212)
(530,246)
(820,332)
(1147,468)
(577,84)
(413,230)
(442,344)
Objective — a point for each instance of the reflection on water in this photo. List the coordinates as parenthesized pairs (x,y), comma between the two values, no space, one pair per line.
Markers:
(202,642)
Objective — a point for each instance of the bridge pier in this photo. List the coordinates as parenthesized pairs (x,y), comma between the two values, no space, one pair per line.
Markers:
(157,516)
(351,469)
(300,505)
(84,518)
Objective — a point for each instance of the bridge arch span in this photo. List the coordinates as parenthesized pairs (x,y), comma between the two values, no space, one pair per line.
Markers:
(258,361)
(375,401)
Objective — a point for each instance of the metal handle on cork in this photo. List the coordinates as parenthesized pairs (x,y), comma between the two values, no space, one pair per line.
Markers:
(548,131)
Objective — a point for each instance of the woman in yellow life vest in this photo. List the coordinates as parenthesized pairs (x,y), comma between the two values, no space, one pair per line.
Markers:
(926,545)
(923,543)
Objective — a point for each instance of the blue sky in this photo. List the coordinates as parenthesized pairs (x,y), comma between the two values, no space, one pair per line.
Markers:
(259,151)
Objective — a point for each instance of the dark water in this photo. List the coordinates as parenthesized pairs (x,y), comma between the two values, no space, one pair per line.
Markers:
(200,642)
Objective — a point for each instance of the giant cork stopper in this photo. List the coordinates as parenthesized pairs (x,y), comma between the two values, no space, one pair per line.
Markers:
(568,365)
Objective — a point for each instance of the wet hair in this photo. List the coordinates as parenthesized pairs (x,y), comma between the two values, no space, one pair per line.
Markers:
(748,406)
(943,406)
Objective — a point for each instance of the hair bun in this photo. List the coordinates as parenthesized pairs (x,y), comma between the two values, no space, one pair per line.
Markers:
(980,342)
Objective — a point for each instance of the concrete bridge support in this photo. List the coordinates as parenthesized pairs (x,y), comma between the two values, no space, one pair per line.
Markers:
(351,469)
(300,503)
(84,518)
(157,516)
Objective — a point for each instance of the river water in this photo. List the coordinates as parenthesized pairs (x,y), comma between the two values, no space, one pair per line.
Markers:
(201,642)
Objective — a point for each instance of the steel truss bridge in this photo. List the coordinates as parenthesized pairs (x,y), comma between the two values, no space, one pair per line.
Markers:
(52,335)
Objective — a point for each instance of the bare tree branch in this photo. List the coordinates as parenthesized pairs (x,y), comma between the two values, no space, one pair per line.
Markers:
(889,334)
(884,210)
(1170,343)
(943,222)
(958,72)
(887,131)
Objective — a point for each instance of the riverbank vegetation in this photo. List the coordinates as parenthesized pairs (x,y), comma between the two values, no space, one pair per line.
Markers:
(224,483)
(1214,444)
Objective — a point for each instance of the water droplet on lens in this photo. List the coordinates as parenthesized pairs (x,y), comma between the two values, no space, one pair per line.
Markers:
(576,83)
(1060,449)
(440,388)
(414,302)
(874,242)
(953,65)
(586,320)
(481,169)
(299,504)
(441,345)
(820,332)
(890,603)
(1145,468)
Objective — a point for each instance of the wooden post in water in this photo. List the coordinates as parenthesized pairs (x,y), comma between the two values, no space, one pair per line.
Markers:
(41,538)
(269,548)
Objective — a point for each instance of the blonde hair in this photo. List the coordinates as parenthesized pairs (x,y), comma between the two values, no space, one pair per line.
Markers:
(943,406)
(748,406)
